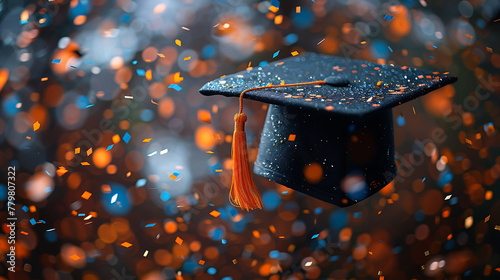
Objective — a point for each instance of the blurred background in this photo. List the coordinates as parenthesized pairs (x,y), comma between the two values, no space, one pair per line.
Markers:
(123,169)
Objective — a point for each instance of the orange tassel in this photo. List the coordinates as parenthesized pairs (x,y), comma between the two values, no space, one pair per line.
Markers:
(243,191)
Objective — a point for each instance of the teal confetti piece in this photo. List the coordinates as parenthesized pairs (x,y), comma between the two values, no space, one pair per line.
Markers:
(150,225)
(315,236)
(109,147)
(276,54)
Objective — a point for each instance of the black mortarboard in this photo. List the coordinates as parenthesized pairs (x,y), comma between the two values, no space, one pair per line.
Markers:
(332,138)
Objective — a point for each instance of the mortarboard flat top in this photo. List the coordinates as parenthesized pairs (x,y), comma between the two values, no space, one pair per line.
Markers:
(363,87)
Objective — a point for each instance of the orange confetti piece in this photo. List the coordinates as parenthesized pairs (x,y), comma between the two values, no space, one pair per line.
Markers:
(172,176)
(106,188)
(77,150)
(89,152)
(297,9)
(126,244)
(272,229)
(146,140)
(85,163)
(273,9)
(24,233)
(278,19)
(201,262)
(204,116)
(235,261)
(86,195)
(469,36)
(218,170)
(179,240)
(44,79)
(294,53)
(187,58)
(215,213)
(178,42)
(74,257)
(291,137)
(177,77)
(160,8)
(209,152)
(149,75)
(161,55)
(61,171)
(36,126)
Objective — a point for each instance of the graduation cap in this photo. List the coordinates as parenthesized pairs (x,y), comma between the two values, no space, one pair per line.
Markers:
(329,129)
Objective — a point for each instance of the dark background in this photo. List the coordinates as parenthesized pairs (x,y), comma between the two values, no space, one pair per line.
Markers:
(446,142)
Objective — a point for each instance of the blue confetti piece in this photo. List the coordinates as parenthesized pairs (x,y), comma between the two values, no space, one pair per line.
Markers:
(88,106)
(24,22)
(141,72)
(56,60)
(42,221)
(174,86)
(47,172)
(381,241)
(275,3)
(389,47)
(357,214)
(333,258)
(81,214)
(431,57)
(315,236)
(32,221)
(216,25)
(224,241)
(276,54)
(109,147)
(134,62)
(25,208)
(388,17)
(176,174)
(140,183)
(284,192)
(227,278)
(423,179)
(401,120)
(152,153)
(211,270)
(150,225)
(88,62)
(126,137)
(211,204)
(434,46)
